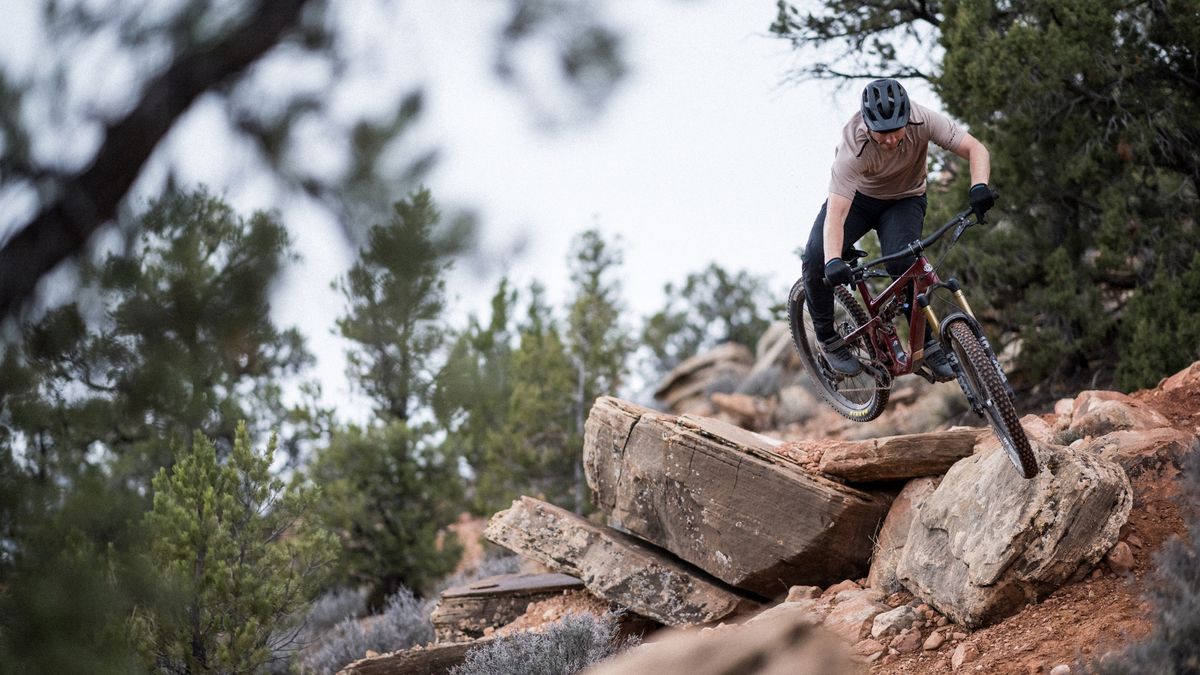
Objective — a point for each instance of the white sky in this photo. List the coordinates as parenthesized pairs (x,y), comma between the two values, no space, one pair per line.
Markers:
(701,156)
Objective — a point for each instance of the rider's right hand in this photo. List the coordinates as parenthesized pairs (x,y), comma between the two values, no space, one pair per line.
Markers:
(838,272)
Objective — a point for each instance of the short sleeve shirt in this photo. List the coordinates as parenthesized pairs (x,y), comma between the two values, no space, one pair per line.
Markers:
(862,165)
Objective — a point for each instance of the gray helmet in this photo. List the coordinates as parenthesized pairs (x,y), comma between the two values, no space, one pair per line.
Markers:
(885,105)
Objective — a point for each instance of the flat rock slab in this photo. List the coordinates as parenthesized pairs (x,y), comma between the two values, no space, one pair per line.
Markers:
(724,500)
(431,660)
(987,542)
(898,457)
(465,612)
(612,565)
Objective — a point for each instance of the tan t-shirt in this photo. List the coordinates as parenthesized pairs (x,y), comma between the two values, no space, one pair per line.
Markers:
(860,164)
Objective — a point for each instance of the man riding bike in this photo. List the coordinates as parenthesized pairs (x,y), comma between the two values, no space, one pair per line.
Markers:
(878,183)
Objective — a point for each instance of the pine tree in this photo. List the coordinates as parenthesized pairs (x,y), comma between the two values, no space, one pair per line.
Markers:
(391,487)
(396,293)
(245,552)
(388,492)
(537,449)
(712,306)
(474,387)
(173,336)
(598,342)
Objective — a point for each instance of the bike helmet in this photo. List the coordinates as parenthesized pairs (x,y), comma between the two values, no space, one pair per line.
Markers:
(885,105)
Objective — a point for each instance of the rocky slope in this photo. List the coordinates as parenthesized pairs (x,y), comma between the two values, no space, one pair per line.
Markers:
(705,523)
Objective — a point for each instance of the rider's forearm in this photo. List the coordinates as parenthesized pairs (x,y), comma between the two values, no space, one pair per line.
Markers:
(981,164)
(836,210)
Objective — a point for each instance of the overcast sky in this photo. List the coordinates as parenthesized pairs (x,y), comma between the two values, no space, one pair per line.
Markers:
(703,155)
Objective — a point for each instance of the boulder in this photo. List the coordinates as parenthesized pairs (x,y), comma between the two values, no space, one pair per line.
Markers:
(612,565)
(894,533)
(897,457)
(744,410)
(722,499)
(693,376)
(784,644)
(854,614)
(1097,413)
(1144,450)
(1188,377)
(988,542)
(774,348)
(895,620)
(465,612)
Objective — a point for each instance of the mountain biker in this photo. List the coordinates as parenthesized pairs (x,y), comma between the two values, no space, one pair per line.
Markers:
(878,183)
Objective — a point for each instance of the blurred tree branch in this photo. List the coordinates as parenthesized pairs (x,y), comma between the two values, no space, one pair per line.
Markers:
(85,201)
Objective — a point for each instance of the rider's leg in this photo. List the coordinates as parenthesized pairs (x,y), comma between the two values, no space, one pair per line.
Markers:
(819,297)
(899,226)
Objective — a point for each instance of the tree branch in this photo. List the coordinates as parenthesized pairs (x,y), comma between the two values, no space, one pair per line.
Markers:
(89,199)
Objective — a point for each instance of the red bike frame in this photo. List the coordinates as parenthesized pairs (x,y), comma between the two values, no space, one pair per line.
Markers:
(923,279)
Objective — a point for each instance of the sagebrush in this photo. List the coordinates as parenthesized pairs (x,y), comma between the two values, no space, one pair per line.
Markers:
(563,648)
(404,623)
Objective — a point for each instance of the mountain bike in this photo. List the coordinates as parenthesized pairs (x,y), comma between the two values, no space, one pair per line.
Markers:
(870,330)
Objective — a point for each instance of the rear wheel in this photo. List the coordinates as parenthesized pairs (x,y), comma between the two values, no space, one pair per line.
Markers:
(981,375)
(859,397)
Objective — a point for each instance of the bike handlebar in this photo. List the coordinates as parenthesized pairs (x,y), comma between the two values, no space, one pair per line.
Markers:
(915,248)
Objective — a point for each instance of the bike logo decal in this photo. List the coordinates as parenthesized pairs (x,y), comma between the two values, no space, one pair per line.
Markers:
(928,267)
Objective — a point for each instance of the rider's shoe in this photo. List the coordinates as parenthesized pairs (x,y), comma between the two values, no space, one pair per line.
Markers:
(936,359)
(839,357)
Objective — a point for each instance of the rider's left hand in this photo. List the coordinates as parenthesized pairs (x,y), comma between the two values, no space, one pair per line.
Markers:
(982,198)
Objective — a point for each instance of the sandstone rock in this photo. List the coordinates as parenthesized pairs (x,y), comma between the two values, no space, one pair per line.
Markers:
(1120,559)
(722,499)
(894,533)
(803,593)
(465,612)
(1099,413)
(908,642)
(782,645)
(612,565)
(748,412)
(796,404)
(1063,408)
(867,647)
(1188,377)
(935,640)
(897,457)
(1138,451)
(416,661)
(812,610)
(894,621)
(987,542)
(851,618)
(693,375)
(963,653)
(844,585)
(1061,669)
(774,347)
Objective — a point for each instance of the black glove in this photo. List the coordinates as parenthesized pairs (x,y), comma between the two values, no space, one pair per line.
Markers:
(982,198)
(838,272)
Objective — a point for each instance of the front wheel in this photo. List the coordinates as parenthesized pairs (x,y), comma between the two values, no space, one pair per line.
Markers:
(981,381)
(859,397)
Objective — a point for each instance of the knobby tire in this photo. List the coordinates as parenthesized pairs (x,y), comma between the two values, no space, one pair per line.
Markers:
(983,377)
(810,356)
